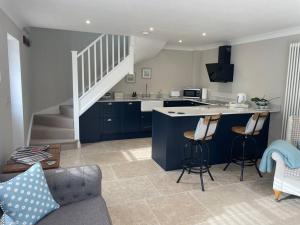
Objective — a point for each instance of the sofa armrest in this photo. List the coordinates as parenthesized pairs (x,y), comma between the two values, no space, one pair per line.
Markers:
(69,185)
(280,166)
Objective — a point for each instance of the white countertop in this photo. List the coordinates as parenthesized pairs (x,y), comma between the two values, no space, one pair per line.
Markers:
(209,110)
(203,101)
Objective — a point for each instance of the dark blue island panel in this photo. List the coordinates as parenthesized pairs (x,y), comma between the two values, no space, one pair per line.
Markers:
(168,142)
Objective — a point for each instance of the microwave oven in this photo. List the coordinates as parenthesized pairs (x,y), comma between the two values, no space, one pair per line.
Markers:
(192,93)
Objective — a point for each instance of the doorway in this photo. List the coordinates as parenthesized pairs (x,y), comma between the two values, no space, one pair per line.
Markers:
(16,99)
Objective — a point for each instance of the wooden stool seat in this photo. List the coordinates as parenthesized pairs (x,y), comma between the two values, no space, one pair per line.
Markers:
(191,135)
(241,130)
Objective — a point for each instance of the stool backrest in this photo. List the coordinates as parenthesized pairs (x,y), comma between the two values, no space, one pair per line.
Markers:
(256,123)
(206,127)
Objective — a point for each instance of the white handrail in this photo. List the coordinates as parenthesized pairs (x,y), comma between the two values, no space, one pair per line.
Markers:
(90,45)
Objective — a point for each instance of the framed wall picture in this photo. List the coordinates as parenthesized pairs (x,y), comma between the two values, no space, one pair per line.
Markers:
(130,78)
(146,73)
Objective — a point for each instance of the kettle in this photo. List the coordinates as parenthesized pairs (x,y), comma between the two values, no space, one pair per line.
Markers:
(241,98)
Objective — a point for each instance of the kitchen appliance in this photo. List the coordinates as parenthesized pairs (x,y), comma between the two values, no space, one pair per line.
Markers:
(204,93)
(175,94)
(192,93)
(223,70)
(241,98)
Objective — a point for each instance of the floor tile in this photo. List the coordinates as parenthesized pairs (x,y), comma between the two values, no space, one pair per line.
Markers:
(135,213)
(136,168)
(126,190)
(178,209)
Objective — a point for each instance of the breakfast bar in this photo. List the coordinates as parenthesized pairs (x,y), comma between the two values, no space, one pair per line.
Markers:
(170,123)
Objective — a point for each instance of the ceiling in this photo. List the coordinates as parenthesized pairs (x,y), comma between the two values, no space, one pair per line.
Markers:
(222,20)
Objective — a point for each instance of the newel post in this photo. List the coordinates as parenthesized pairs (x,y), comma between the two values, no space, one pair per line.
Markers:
(75,96)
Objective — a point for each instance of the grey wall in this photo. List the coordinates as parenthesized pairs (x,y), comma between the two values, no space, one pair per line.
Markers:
(7,26)
(171,70)
(260,69)
(51,64)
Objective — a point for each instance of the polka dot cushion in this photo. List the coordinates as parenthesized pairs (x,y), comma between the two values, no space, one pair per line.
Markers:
(6,220)
(26,198)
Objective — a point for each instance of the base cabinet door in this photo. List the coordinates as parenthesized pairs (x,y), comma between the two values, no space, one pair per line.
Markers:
(111,125)
(89,124)
(131,117)
(146,121)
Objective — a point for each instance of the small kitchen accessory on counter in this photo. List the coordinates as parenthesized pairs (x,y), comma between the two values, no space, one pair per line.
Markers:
(119,95)
(107,96)
(175,94)
(204,93)
(241,98)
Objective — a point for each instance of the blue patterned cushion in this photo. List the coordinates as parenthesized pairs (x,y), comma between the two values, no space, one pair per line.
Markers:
(6,220)
(26,198)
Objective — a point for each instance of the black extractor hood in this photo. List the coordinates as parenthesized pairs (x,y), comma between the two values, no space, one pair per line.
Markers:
(223,70)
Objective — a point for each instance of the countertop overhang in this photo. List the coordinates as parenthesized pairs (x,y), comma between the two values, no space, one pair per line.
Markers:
(210,110)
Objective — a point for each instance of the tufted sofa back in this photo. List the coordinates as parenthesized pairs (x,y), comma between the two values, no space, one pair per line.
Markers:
(69,185)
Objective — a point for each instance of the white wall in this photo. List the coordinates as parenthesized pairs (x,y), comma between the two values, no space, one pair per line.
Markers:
(171,70)
(7,26)
(51,64)
(260,70)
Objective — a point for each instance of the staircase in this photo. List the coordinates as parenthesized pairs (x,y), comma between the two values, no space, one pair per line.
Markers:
(97,68)
(54,128)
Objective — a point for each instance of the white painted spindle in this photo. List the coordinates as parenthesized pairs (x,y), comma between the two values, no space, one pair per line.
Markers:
(107,55)
(82,74)
(113,50)
(119,48)
(89,67)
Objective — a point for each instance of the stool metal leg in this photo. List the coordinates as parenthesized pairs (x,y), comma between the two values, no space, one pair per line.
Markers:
(256,157)
(179,178)
(201,167)
(243,161)
(192,155)
(231,152)
(207,166)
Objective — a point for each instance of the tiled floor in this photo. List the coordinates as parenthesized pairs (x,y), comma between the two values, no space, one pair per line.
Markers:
(138,192)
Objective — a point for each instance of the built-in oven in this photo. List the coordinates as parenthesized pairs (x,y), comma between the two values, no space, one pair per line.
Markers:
(192,93)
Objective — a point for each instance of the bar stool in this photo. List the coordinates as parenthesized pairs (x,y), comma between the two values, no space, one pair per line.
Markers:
(196,162)
(246,134)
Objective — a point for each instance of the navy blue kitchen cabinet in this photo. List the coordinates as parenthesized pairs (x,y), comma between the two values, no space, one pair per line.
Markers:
(114,120)
(131,116)
(146,121)
(90,124)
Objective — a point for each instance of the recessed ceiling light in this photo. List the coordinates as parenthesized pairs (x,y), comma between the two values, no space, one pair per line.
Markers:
(151,29)
(180,41)
(203,34)
(87,21)
(145,32)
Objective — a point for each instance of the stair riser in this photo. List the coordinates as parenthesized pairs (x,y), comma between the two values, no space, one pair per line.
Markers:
(54,122)
(52,134)
(66,111)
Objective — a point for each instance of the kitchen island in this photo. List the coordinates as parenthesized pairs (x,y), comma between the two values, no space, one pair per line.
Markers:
(169,124)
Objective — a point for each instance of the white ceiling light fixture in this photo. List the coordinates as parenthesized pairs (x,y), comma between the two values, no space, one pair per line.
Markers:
(145,32)
(204,34)
(88,22)
(151,29)
(180,41)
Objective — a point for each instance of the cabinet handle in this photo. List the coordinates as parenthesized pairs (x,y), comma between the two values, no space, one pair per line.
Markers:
(109,120)
(109,103)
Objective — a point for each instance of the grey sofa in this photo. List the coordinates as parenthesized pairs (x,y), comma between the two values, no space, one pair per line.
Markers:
(78,191)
